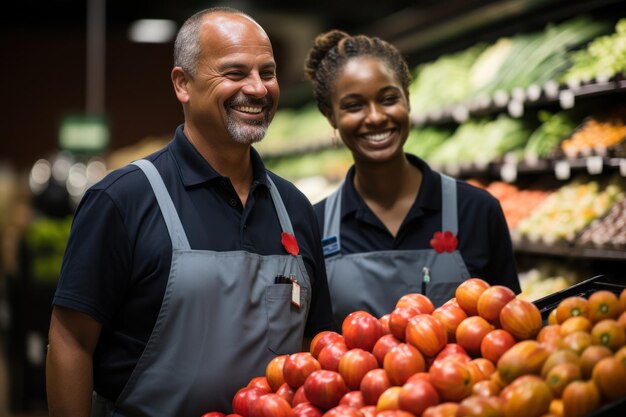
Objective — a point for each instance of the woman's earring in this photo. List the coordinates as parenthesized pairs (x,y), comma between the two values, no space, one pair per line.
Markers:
(335,138)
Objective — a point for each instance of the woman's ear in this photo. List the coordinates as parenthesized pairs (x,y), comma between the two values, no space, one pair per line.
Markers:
(180,80)
(331,119)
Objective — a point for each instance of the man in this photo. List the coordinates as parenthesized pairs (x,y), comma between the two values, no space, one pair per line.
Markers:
(186,272)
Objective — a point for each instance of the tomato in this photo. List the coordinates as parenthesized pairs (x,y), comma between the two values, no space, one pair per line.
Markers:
(491,302)
(389,399)
(450,316)
(486,366)
(286,392)
(591,356)
(525,357)
(398,320)
(451,378)
(260,382)
(521,318)
(324,388)
(418,301)
(557,357)
(298,366)
(306,409)
(343,411)
(467,294)
(561,375)
(574,324)
(394,413)
(580,398)
(361,330)
(384,345)
(384,321)
(550,335)
(608,333)
(403,361)
(577,341)
(270,405)
(486,388)
(621,355)
(621,320)
(495,343)
(447,409)
(417,395)
(244,399)
(321,340)
(471,332)
(526,396)
(552,317)
(368,411)
(427,334)
(478,406)
(609,375)
(373,384)
(571,307)
(214,414)
(622,299)
(353,399)
(603,304)
(331,354)
(299,397)
(354,364)
(274,372)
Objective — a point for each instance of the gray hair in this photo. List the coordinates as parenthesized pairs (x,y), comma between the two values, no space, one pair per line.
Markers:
(187,43)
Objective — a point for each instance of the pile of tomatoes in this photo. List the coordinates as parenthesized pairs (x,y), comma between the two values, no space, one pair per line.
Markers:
(484,353)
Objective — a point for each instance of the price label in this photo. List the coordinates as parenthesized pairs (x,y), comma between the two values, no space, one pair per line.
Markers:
(595,165)
(622,167)
(551,88)
(566,99)
(562,170)
(533,92)
(508,172)
(460,113)
(515,108)
(500,98)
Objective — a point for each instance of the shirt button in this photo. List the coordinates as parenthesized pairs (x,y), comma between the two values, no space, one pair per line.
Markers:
(233,202)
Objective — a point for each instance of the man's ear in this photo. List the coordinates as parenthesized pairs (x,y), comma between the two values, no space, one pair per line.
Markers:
(180,80)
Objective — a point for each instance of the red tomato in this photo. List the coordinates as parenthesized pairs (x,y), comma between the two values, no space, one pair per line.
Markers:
(306,409)
(603,304)
(450,315)
(521,318)
(452,379)
(417,395)
(580,398)
(447,409)
(495,343)
(244,399)
(260,382)
(322,340)
(270,405)
(330,355)
(571,307)
(353,399)
(486,366)
(274,372)
(526,357)
(527,396)
(299,397)
(467,294)
(398,320)
(286,392)
(324,388)
(384,345)
(368,411)
(214,414)
(403,361)
(609,375)
(361,330)
(343,411)
(427,334)
(491,302)
(471,332)
(298,366)
(384,321)
(417,301)
(373,384)
(354,364)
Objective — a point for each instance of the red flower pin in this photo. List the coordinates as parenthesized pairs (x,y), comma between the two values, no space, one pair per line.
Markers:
(444,241)
(290,243)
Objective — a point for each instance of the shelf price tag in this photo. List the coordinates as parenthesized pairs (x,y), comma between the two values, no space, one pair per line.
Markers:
(622,167)
(508,172)
(515,108)
(562,170)
(595,165)
(566,99)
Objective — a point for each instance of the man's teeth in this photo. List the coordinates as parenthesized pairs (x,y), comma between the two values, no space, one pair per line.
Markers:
(377,137)
(248,109)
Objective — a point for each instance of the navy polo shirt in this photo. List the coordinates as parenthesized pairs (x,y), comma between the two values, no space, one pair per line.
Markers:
(484,239)
(118,256)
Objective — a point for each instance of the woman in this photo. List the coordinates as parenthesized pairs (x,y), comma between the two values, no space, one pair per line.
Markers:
(394,226)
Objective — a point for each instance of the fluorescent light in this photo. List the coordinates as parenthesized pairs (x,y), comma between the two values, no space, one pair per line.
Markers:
(152,30)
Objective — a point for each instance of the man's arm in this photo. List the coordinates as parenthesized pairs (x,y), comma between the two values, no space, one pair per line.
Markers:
(69,367)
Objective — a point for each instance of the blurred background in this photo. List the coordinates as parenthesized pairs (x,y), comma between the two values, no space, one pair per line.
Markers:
(523,98)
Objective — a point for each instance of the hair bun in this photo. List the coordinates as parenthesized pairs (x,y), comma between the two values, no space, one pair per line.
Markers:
(322,44)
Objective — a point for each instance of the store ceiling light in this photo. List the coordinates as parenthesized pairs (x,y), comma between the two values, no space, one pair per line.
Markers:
(152,30)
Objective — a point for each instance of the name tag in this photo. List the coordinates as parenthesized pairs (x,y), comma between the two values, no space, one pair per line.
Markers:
(330,245)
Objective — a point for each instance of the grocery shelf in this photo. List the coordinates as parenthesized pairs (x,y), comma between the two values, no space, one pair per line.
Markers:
(569,251)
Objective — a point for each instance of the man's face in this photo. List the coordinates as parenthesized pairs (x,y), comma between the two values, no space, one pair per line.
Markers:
(235,90)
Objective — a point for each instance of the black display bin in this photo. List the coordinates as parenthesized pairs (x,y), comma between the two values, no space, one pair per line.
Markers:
(585,289)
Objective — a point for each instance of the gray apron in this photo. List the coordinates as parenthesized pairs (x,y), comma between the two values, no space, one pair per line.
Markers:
(223,318)
(374,281)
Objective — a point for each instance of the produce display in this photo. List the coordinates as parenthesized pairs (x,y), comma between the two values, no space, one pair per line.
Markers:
(597,135)
(485,352)
(548,136)
(608,232)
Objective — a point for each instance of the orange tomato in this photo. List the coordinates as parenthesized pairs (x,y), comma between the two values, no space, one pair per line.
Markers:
(526,396)
(526,357)
(521,318)
(468,292)
(574,324)
(603,304)
(560,376)
(609,375)
(571,307)
(577,341)
(580,398)
(608,333)
(558,357)
(591,356)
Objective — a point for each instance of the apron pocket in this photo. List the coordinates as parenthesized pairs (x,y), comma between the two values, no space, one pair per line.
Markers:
(285,322)
(440,292)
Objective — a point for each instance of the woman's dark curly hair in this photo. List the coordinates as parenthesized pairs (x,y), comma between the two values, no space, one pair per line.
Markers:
(333,49)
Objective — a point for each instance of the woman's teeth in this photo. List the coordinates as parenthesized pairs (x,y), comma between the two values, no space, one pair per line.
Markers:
(378,137)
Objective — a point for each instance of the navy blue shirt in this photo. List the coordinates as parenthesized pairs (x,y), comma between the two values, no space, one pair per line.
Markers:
(484,239)
(118,256)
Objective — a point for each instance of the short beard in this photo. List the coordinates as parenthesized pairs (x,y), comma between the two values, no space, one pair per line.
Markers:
(247,133)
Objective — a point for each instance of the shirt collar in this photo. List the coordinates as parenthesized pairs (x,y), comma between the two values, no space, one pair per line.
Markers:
(194,169)
(429,197)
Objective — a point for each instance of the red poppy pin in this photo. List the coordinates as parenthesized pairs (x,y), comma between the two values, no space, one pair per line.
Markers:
(290,243)
(444,241)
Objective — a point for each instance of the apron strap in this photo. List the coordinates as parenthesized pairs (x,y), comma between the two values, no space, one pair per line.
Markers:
(170,215)
(449,220)
(281,211)
(332,214)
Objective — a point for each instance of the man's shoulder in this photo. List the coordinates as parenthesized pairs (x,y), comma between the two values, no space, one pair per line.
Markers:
(288,190)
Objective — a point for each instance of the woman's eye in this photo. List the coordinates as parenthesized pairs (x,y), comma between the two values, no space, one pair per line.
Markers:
(390,99)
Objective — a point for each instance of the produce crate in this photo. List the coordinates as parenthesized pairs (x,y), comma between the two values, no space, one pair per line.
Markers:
(585,289)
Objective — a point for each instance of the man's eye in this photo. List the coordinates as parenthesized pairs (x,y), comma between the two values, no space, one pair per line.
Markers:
(268,75)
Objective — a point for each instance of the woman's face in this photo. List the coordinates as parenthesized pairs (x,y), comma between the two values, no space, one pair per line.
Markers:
(370,110)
